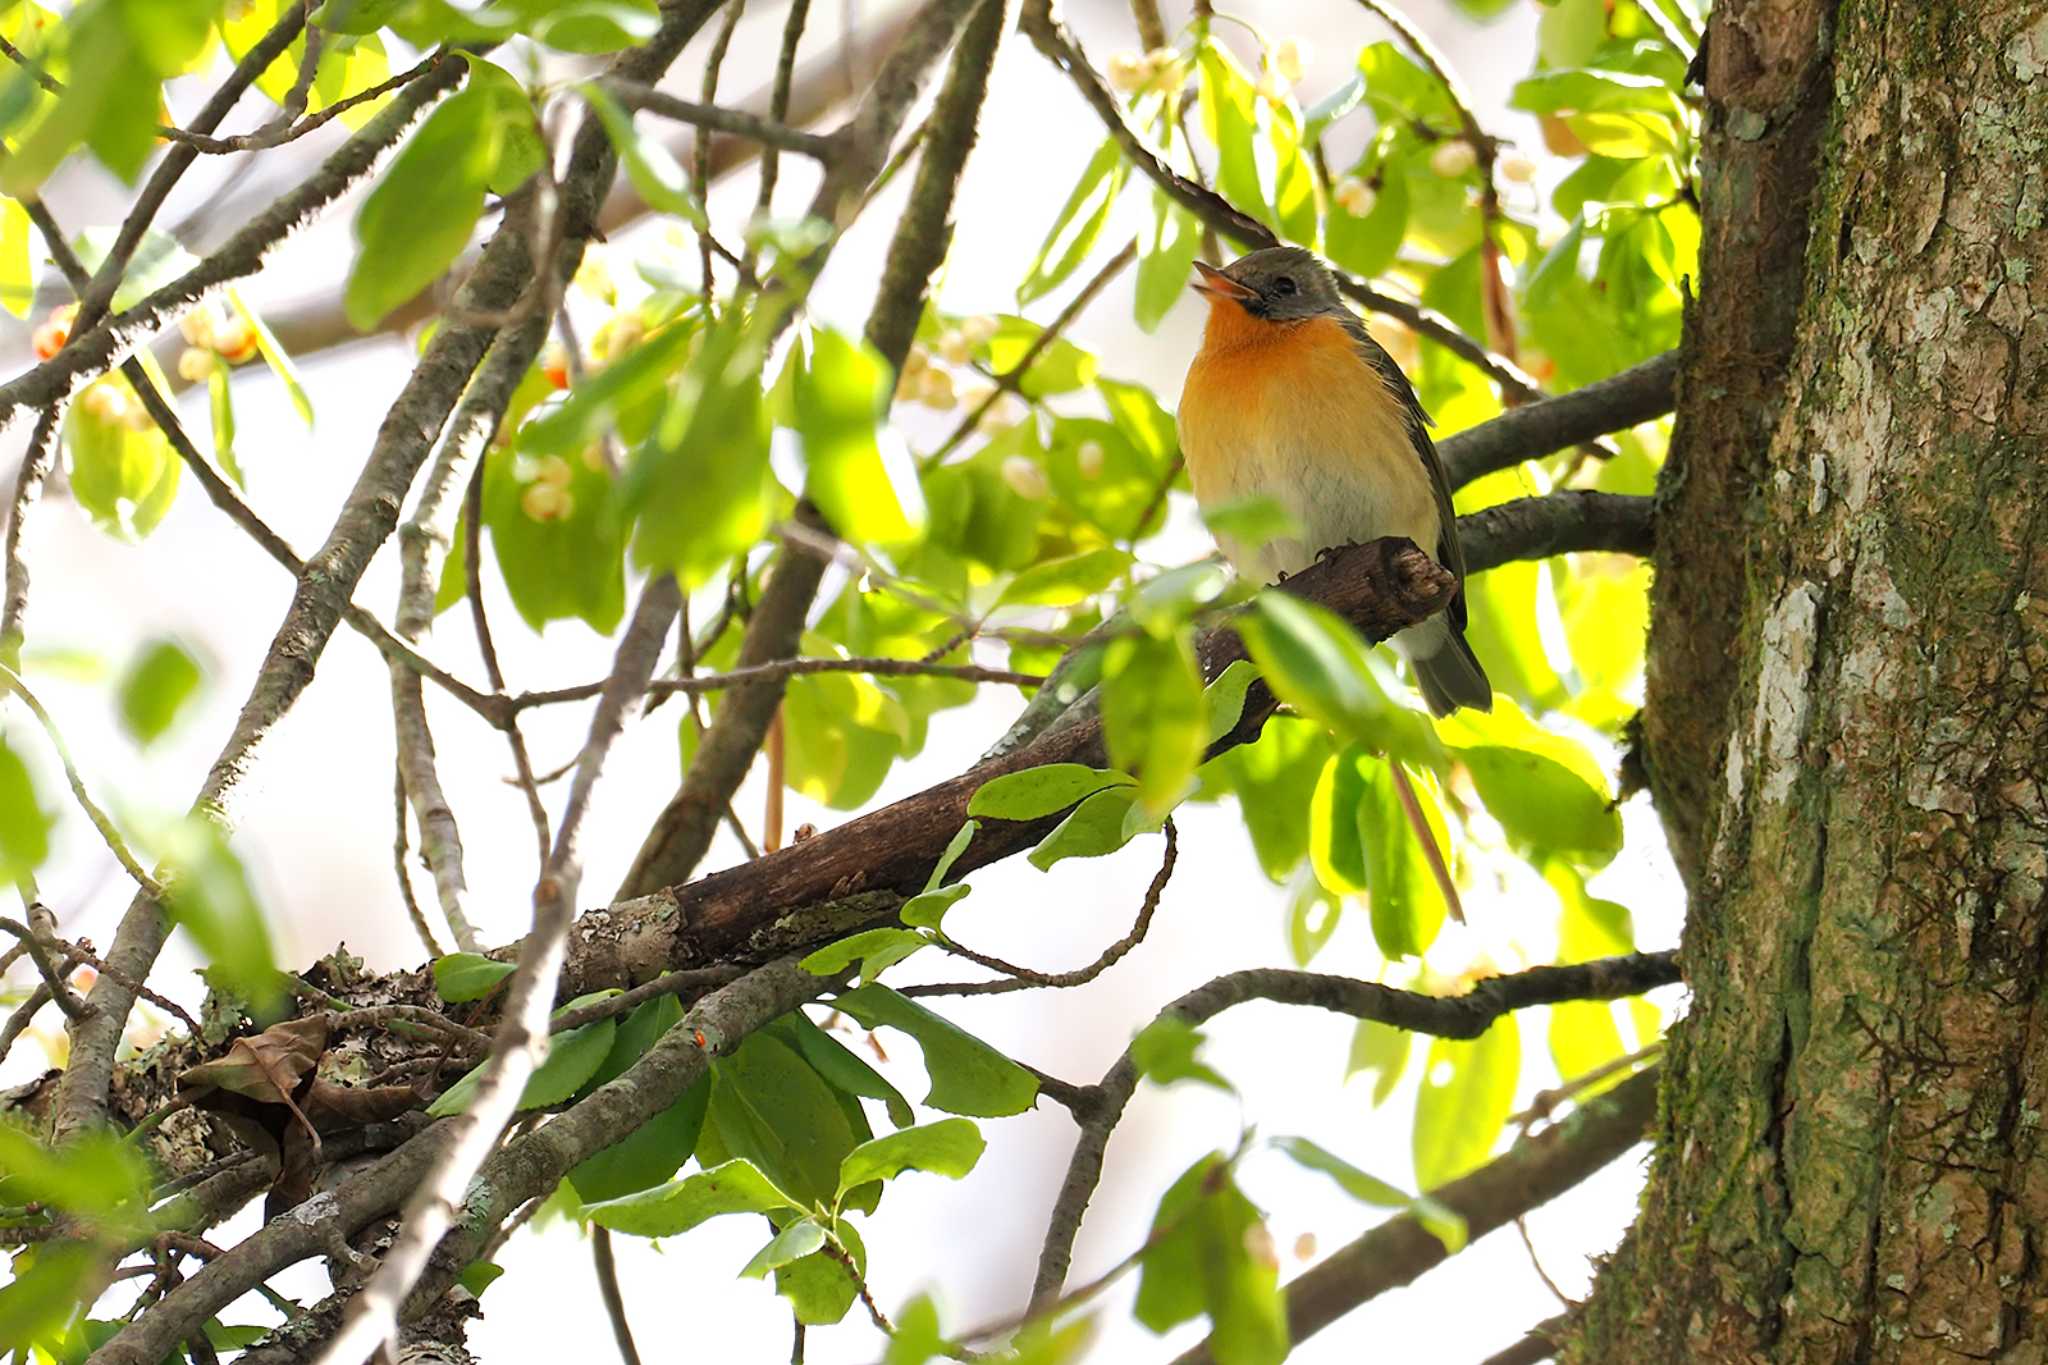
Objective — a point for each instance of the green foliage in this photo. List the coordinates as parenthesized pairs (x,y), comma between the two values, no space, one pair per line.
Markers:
(967,1075)
(1168,1050)
(210,897)
(159,682)
(1468,1090)
(949,1147)
(573,1058)
(1209,1253)
(419,216)
(24,822)
(1446,1224)
(1080,222)
(460,977)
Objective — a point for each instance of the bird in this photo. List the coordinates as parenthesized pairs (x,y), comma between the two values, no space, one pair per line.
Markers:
(1290,397)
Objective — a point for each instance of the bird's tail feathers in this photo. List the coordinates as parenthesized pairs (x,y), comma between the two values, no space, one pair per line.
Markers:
(1445,668)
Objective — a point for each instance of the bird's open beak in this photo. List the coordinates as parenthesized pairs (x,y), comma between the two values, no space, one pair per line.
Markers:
(1217,285)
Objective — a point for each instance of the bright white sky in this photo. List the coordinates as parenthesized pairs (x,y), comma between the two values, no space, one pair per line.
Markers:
(316,824)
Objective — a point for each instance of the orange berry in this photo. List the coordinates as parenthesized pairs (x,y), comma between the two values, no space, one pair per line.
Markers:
(55,331)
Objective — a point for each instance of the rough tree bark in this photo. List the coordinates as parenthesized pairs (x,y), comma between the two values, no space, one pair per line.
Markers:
(1850,1158)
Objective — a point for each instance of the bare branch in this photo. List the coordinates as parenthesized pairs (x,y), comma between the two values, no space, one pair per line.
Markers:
(53,976)
(1639,394)
(698,683)
(738,122)
(608,1289)
(1545,1339)
(34,472)
(521,1037)
(1016,978)
(1556,523)
(1528,1175)
(1462,1016)
(778,110)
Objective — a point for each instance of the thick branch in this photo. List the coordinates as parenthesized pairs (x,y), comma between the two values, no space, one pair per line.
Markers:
(1527,1176)
(738,122)
(1557,523)
(1639,394)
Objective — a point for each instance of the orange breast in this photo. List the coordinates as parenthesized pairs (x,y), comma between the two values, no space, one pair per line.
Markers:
(1294,411)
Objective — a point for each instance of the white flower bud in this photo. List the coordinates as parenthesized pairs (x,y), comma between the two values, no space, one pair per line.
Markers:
(194,365)
(1088,459)
(1453,158)
(1355,197)
(547,502)
(979,329)
(1025,478)
(1517,169)
(1286,60)
(953,348)
(935,389)
(1129,72)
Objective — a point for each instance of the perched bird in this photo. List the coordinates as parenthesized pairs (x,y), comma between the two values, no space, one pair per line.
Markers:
(1289,397)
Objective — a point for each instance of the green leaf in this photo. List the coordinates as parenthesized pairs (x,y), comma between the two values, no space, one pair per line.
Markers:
(574,1056)
(1165,256)
(955,846)
(841,732)
(1380,1051)
(1154,717)
(771,1106)
(157,260)
(1201,1257)
(1091,829)
(927,909)
(1569,32)
(1034,793)
(1312,918)
(1468,1091)
(1059,367)
(419,217)
(839,395)
(845,1070)
(1067,579)
(1252,520)
(1446,1224)
(875,949)
(1079,223)
(1275,779)
(1229,105)
(794,1242)
(24,824)
(1335,849)
(45,1289)
(556,535)
(660,180)
(1407,902)
(1315,661)
(1226,698)
(820,1290)
(700,487)
(221,408)
(967,1075)
(461,977)
(1166,1050)
(916,1339)
(1169,600)
(97,1177)
(123,471)
(1296,197)
(20,263)
(476,1277)
(160,680)
(1546,790)
(735,1186)
(600,400)
(274,355)
(1367,244)
(587,26)
(949,1147)
(209,894)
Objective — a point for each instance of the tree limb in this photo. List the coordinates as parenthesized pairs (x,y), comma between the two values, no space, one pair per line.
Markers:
(1574,520)
(1639,394)
(738,122)
(1460,1016)
(1527,1175)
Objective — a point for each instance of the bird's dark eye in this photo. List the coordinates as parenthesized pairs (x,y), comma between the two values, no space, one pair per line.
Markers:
(1284,285)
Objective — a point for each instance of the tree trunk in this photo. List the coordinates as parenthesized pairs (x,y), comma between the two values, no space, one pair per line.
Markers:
(1850,1160)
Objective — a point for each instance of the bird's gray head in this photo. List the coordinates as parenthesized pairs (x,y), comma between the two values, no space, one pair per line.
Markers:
(1280,284)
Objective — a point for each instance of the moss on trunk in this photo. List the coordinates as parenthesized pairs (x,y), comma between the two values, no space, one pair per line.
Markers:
(1850,1163)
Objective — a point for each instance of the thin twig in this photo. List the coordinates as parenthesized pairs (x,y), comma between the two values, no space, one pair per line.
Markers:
(1017,978)
(700,164)
(608,1290)
(669,983)
(769,132)
(1010,380)
(780,669)
(53,979)
(472,554)
(793,23)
